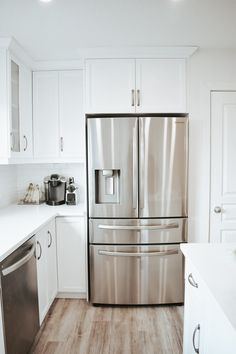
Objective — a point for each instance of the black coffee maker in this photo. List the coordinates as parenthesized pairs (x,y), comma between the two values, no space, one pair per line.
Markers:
(55,189)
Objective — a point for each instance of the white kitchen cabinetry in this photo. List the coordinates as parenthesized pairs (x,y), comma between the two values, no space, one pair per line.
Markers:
(205,325)
(46,267)
(58,116)
(136,85)
(71,253)
(15,108)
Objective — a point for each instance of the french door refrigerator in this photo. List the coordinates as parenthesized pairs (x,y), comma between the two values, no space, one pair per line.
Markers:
(137,211)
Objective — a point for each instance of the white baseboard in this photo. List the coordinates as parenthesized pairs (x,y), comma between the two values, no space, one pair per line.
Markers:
(79,295)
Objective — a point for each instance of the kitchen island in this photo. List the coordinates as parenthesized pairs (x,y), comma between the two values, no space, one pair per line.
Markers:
(210,298)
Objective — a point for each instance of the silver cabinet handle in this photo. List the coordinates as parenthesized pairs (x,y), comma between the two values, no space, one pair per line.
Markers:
(192,281)
(40,250)
(50,239)
(137,254)
(132,98)
(217,210)
(135,166)
(62,144)
(139,227)
(12,141)
(197,329)
(26,142)
(138,98)
(141,163)
(19,263)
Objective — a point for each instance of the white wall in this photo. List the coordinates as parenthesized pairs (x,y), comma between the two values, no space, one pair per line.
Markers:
(8,191)
(35,173)
(208,69)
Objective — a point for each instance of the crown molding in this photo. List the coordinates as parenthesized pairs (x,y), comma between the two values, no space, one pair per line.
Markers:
(136,52)
(15,49)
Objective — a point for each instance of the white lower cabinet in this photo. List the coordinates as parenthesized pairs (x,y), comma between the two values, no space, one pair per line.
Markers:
(206,328)
(71,253)
(46,267)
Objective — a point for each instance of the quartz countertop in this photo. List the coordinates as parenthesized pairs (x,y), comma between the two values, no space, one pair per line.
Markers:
(216,264)
(19,222)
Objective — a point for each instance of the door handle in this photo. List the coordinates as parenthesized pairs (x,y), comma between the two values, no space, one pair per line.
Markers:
(26,142)
(132,98)
(197,329)
(138,254)
(192,281)
(141,164)
(135,167)
(19,263)
(139,227)
(138,98)
(50,239)
(62,143)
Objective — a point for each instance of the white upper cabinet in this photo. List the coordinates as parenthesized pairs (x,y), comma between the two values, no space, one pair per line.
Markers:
(15,106)
(45,114)
(110,86)
(136,85)
(58,116)
(161,85)
(72,128)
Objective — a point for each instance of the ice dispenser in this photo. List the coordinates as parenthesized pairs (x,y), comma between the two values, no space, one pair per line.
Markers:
(107,186)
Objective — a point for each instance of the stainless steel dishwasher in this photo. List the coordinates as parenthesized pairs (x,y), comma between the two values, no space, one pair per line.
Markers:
(20,299)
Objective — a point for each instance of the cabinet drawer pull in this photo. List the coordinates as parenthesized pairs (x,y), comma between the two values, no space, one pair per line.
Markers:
(26,142)
(50,239)
(192,281)
(133,103)
(40,250)
(197,329)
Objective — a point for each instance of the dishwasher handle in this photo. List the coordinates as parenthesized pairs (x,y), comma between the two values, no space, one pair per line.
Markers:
(12,268)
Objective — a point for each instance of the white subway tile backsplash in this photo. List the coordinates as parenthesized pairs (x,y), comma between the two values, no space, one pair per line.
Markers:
(8,185)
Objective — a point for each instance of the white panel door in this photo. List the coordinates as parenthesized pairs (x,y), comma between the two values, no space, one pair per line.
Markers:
(223,167)
(52,261)
(42,266)
(71,251)
(71,114)
(110,86)
(161,86)
(26,119)
(45,114)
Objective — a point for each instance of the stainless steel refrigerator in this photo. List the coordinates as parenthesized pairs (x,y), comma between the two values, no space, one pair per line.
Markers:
(137,192)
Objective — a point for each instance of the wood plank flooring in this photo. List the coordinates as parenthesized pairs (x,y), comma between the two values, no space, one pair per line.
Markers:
(76,327)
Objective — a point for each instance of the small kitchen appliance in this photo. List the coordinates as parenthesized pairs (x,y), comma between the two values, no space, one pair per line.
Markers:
(72,192)
(55,189)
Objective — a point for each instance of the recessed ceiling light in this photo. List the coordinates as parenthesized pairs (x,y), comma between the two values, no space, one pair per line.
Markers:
(45,0)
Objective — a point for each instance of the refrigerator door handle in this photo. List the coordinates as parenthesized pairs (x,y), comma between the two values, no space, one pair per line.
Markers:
(142,154)
(135,167)
(139,227)
(138,254)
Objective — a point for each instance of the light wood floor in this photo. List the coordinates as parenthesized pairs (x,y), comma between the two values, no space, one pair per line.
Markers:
(76,327)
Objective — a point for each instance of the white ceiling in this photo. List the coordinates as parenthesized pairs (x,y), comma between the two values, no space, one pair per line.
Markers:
(57,30)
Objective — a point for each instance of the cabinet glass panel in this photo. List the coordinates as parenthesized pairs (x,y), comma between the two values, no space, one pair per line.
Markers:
(15,115)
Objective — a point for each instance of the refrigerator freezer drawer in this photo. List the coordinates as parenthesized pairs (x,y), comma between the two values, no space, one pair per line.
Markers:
(133,231)
(136,275)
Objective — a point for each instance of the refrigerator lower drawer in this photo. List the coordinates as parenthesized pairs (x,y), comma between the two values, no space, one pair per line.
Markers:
(136,275)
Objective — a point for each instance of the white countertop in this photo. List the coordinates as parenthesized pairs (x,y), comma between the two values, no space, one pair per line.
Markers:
(216,264)
(19,222)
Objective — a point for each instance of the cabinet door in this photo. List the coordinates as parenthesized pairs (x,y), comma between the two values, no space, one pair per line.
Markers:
(15,106)
(72,127)
(110,86)
(71,255)
(193,312)
(52,261)
(45,114)
(41,254)
(26,140)
(161,85)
